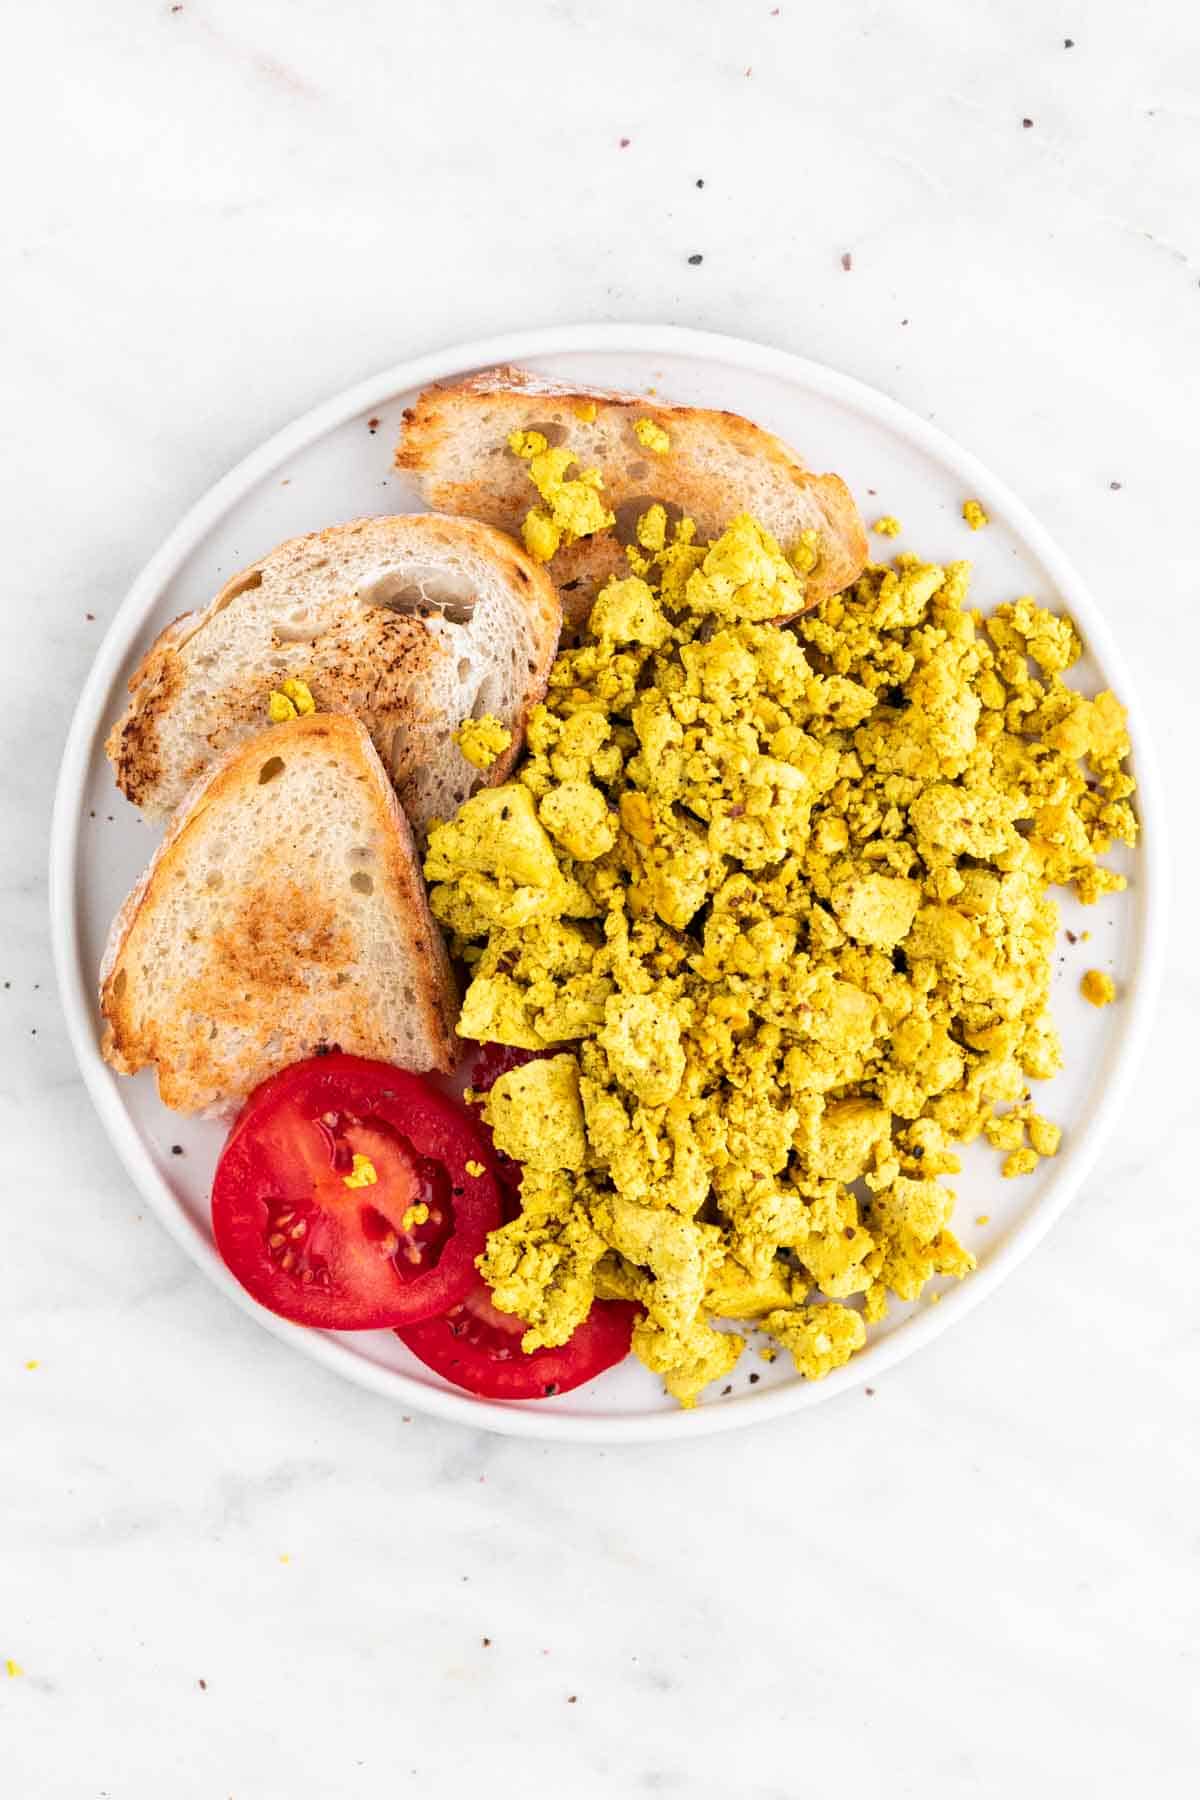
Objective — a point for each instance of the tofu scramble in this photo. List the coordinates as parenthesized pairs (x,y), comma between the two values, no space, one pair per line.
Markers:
(772,899)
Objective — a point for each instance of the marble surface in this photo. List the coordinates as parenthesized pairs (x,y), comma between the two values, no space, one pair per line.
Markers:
(222,1572)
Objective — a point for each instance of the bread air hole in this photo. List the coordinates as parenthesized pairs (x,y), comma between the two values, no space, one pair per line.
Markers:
(361,882)
(120,982)
(421,590)
(299,627)
(487,700)
(270,769)
(553,432)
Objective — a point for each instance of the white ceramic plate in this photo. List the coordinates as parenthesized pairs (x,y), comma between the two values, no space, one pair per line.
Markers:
(335,463)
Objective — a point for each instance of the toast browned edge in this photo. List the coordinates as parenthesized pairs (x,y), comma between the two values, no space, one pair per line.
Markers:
(438,998)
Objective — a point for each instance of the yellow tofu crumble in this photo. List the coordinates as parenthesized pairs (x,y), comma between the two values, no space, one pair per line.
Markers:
(773,899)
(483,740)
(652,436)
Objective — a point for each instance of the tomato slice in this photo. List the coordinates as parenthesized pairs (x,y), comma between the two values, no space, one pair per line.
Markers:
(352,1195)
(479,1348)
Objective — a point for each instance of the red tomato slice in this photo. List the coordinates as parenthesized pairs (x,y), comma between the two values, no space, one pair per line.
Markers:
(479,1348)
(354,1257)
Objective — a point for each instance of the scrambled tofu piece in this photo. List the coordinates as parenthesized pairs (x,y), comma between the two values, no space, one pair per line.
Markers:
(974,514)
(776,899)
(820,1338)
(291,700)
(576,815)
(571,507)
(536,1114)
(651,436)
(876,909)
(1098,988)
(483,740)
(626,612)
(888,526)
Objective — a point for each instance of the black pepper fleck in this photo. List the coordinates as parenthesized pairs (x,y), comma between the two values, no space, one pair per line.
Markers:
(1071,938)
(870,1392)
(847,261)
(176,1149)
(625,143)
(696,260)
(572,1699)
(90,617)
(203,1684)
(1115,486)
(700,183)
(1068,43)
(726,1390)
(487,1643)
(753,1379)
(1027,123)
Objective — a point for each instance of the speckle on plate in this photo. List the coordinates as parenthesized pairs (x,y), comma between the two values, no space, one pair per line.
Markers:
(695,260)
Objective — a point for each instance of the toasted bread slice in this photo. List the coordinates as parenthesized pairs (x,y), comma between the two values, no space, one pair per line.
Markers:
(284,910)
(718,465)
(410,624)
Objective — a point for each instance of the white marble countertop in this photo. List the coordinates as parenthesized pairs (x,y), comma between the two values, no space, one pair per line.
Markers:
(221,1571)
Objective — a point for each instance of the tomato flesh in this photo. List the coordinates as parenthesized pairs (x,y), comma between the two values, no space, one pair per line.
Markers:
(352,1195)
(478,1348)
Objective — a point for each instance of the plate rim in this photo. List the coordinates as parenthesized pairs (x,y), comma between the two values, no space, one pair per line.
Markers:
(77,993)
